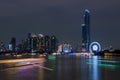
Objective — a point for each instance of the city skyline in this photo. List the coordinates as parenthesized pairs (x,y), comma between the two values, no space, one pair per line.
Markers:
(61,18)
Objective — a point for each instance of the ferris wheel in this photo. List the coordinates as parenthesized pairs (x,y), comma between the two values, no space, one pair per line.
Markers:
(95,47)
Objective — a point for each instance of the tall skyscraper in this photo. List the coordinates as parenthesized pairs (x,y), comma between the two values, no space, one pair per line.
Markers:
(53,44)
(32,42)
(86,31)
(40,43)
(47,43)
(29,42)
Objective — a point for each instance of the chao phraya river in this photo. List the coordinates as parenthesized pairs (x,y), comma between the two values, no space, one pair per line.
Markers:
(63,67)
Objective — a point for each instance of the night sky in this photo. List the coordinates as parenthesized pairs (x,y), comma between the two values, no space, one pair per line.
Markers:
(62,18)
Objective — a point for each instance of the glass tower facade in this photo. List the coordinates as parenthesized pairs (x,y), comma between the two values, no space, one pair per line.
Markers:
(86,31)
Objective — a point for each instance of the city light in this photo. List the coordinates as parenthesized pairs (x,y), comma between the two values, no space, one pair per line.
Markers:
(20,62)
(94,47)
(50,57)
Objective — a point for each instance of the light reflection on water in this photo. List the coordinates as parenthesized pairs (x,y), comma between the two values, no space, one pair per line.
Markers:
(94,70)
(66,68)
(29,72)
(84,68)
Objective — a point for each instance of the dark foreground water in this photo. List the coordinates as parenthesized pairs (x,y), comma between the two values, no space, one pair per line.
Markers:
(65,68)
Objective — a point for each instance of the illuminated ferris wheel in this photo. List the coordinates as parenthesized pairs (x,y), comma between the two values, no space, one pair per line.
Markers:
(95,47)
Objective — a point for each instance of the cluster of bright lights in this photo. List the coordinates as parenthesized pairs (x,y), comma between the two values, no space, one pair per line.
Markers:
(67,48)
(95,47)
(52,57)
(104,63)
(23,60)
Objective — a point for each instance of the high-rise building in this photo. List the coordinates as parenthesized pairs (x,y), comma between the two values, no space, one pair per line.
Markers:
(47,44)
(2,47)
(32,41)
(40,43)
(13,44)
(24,45)
(53,44)
(86,31)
